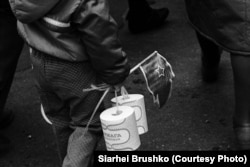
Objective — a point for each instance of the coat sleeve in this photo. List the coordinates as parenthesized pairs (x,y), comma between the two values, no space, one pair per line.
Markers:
(98,32)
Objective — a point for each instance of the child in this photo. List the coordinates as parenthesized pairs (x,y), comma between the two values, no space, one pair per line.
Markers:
(74,44)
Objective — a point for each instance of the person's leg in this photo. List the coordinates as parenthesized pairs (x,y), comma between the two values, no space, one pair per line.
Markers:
(82,141)
(10,49)
(61,85)
(241,70)
(210,58)
(58,113)
(75,147)
(54,107)
(141,17)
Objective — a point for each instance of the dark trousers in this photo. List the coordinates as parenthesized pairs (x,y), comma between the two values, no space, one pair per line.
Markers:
(60,85)
(211,53)
(10,48)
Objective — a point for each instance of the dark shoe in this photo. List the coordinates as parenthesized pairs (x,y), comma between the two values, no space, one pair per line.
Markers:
(4,144)
(242,134)
(148,21)
(6,119)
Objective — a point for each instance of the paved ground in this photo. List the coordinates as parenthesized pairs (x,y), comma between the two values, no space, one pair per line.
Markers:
(197,117)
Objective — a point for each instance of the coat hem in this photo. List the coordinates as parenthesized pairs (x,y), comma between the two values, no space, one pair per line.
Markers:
(243,53)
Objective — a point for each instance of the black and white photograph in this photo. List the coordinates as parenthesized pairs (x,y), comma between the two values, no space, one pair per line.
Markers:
(89,83)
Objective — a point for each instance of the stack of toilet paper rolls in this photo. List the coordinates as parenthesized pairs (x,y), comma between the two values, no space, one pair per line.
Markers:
(122,128)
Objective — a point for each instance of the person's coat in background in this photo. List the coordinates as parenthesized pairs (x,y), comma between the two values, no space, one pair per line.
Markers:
(226,22)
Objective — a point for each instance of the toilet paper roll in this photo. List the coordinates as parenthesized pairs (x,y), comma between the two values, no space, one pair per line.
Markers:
(137,102)
(120,131)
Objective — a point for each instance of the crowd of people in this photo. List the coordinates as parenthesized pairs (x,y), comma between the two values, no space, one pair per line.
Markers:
(74,44)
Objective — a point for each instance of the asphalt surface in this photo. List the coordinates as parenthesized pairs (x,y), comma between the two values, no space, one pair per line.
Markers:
(197,116)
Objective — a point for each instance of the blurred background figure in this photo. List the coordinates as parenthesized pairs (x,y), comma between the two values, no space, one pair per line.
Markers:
(224,24)
(142,17)
(10,49)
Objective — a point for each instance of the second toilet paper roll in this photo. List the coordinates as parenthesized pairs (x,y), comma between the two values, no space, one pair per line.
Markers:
(135,101)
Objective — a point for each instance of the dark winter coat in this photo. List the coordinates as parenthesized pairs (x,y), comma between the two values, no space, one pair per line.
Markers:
(74,30)
(226,22)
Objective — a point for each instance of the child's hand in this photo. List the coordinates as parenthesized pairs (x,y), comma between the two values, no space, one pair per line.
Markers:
(117,87)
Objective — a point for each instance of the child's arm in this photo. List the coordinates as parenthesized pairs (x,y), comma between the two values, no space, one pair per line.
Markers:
(98,32)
